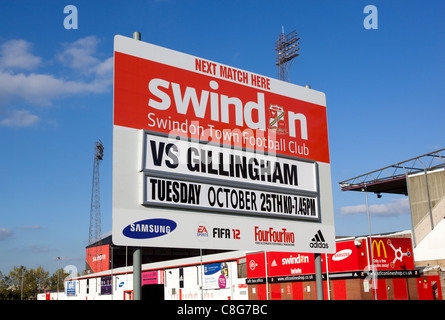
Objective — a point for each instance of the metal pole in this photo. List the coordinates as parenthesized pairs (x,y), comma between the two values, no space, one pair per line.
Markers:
(318,276)
(137,274)
(21,286)
(267,281)
(327,276)
(137,264)
(429,201)
(410,209)
(202,278)
(374,278)
(137,35)
(112,280)
(58,280)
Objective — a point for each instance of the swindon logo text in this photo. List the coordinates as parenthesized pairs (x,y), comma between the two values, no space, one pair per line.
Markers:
(99,257)
(295,260)
(163,92)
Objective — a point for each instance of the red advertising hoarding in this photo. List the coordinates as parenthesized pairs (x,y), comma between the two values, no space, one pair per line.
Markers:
(348,257)
(280,264)
(389,254)
(392,253)
(288,263)
(256,265)
(98,258)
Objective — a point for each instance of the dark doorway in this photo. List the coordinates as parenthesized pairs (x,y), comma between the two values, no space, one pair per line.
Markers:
(153,292)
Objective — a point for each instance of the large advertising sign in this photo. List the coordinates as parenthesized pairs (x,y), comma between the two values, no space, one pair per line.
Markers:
(106,285)
(216,276)
(281,267)
(152,277)
(71,288)
(210,156)
(348,257)
(196,98)
(392,253)
(98,258)
(352,259)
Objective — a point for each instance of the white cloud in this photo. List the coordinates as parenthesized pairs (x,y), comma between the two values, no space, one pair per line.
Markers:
(5,233)
(34,227)
(16,54)
(105,68)
(19,118)
(393,208)
(361,208)
(42,89)
(38,249)
(20,82)
(79,54)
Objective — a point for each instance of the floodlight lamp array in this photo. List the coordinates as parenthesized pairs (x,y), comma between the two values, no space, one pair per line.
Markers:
(287,47)
(99,150)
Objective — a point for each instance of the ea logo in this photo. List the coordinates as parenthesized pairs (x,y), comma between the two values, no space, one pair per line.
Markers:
(201,232)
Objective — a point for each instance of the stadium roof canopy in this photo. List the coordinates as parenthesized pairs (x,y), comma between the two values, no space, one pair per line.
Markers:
(392,179)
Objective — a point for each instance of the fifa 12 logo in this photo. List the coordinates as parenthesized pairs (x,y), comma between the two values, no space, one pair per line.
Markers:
(277,119)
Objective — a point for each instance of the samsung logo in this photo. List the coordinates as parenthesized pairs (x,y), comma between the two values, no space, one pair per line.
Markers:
(343,254)
(150,228)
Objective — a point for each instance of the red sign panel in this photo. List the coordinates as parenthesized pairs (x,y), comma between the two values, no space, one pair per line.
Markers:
(280,264)
(98,258)
(392,253)
(244,113)
(288,263)
(346,258)
(388,253)
(255,265)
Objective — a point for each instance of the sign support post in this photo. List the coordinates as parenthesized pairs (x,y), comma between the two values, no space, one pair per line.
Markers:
(137,273)
(318,276)
(137,264)
(267,280)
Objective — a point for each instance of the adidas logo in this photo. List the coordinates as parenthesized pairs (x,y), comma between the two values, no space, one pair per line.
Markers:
(318,241)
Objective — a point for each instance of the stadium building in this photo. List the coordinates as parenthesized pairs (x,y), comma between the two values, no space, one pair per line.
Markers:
(243,275)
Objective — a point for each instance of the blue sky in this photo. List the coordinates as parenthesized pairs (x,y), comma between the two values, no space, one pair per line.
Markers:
(384,90)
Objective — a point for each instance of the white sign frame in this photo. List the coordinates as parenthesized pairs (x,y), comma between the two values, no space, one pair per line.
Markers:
(179,227)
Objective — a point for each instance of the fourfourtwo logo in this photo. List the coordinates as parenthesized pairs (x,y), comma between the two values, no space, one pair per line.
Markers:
(318,241)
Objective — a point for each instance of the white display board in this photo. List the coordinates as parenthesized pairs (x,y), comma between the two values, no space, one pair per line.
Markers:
(210,156)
